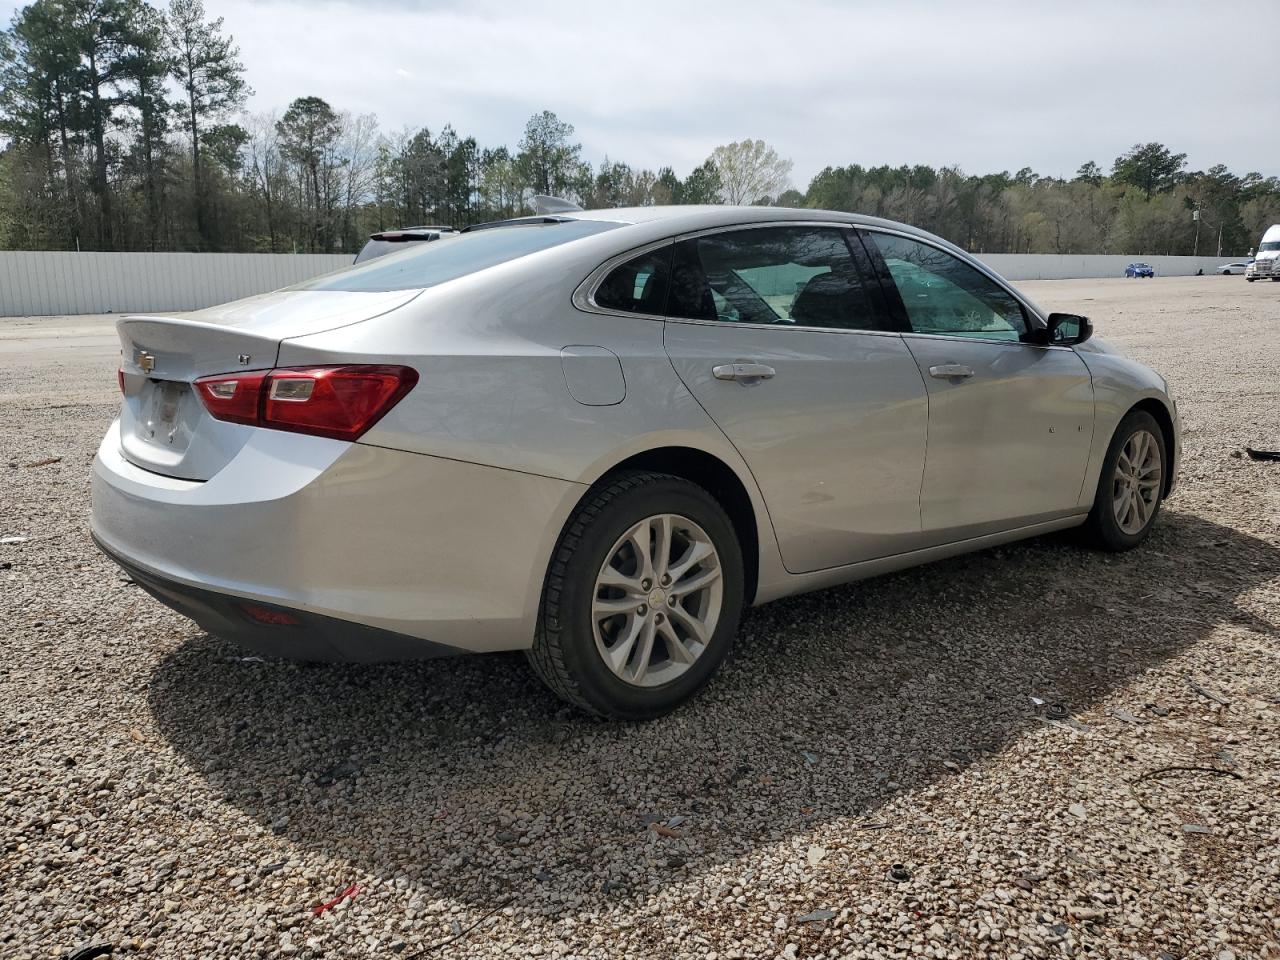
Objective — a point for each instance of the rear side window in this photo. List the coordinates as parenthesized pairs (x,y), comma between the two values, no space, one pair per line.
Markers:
(427,264)
(639,285)
(782,276)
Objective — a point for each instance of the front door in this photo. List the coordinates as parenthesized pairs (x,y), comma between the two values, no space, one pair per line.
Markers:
(1010,423)
(783,341)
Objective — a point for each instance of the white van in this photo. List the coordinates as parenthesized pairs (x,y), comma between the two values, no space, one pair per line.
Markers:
(1266,262)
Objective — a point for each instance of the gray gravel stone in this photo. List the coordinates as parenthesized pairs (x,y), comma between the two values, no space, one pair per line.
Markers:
(165,794)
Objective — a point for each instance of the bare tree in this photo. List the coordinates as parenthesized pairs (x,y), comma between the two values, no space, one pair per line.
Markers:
(264,169)
(357,149)
(750,172)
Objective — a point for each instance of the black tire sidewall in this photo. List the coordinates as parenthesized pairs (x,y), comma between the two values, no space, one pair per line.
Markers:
(606,692)
(1103,518)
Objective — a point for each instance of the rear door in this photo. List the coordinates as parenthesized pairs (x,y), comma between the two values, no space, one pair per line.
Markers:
(1010,422)
(785,342)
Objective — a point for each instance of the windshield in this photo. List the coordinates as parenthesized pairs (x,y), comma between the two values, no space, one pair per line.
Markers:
(1269,245)
(427,264)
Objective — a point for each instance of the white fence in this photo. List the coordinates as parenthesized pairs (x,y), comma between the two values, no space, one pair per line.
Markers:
(50,283)
(1049,266)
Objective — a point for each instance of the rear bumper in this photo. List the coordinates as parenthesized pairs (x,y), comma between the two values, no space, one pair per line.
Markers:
(310,637)
(380,554)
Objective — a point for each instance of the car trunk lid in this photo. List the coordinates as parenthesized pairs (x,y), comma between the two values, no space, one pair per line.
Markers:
(164,427)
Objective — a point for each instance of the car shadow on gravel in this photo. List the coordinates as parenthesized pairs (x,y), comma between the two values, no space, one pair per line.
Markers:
(469,779)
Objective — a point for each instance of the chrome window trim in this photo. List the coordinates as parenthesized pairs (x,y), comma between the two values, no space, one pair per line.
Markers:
(584,295)
(722,325)
(964,339)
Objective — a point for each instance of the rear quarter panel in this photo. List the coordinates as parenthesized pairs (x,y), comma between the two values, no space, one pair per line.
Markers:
(492,389)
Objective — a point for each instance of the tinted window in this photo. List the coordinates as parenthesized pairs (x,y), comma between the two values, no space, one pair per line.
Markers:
(942,294)
(639,285)
(426,264)
(787,276)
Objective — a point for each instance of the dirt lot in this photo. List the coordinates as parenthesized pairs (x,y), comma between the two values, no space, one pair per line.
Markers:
(162,794)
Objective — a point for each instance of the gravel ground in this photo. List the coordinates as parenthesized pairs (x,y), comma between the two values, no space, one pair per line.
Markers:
(167,796)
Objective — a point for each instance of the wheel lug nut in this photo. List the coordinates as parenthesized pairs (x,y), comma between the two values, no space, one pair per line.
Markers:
(671,600)
(659,617)
(666,579)
(643,609)
(646,584)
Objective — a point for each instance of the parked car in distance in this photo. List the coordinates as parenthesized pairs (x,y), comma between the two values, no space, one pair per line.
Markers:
(1139,270)
(393,241)
(1266,262)
(594,436)
(1239,267)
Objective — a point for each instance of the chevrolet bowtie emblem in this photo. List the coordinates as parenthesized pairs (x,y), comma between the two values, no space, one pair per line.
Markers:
(146,361)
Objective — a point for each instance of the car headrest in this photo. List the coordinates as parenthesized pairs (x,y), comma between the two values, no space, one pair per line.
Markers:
(824,302)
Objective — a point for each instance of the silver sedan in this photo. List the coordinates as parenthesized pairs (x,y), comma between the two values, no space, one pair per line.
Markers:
(596,435)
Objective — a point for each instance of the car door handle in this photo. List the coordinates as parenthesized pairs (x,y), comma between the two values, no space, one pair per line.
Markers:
(743,371)
(948,371)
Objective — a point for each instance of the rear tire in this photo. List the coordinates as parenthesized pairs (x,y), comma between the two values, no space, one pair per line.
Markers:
(663,554)
(1131,485)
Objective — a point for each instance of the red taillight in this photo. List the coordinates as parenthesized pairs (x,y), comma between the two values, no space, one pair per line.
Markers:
(337,402)
(233,396)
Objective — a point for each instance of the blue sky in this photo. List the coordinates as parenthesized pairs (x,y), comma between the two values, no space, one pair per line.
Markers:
(988,86)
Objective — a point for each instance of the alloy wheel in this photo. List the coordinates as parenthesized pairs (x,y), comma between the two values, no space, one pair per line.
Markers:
(1136,483)
(657,600)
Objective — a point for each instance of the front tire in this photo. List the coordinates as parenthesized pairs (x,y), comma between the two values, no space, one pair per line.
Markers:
(642,599)
(1131,485)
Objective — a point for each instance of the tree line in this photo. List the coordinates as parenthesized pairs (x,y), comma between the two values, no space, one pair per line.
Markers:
(122,127)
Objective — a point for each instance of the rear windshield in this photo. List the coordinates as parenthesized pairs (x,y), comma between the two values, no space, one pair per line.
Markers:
(1269,245)
(427,264)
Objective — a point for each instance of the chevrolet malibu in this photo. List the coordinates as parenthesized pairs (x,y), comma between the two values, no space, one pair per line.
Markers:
(595,436)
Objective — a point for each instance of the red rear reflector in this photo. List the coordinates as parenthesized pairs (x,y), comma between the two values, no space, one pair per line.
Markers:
(272,618)
(339,402)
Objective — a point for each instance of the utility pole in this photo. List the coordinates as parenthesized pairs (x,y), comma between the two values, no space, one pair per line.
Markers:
(1195,215)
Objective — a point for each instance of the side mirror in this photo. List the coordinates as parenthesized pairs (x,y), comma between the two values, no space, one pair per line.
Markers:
(1066,330)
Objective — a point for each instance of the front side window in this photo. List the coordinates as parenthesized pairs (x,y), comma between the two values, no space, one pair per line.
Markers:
(944,295)
(782,276)
(639,285)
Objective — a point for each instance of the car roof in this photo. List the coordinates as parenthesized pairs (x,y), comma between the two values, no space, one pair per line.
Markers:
(694,217)
(656,222)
